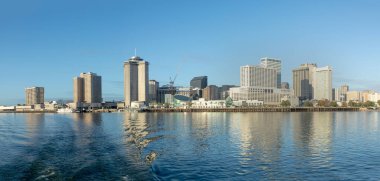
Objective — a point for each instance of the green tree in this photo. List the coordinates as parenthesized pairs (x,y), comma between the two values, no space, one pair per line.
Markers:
(378,103)
(369,104)
(351,104)
(324,103)
(229,102)
(308,104)
(285,103)
(334,104)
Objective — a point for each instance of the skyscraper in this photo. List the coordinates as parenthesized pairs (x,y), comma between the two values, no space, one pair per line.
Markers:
(88,88)
(34,95)
(199,82)
(136,80)
(257,76)
(259,83)
(323,83)
(153,91)
(273,64)
(303,81)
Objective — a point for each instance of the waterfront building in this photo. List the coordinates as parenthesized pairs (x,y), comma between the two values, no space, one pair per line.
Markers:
(353,96)
(257,76)
(333,94)
(153,90)
(303,81)
(34,95)
(199,82)
(364,95)
(260,83)
(88,88)
(374,97)
(323,83)
(341,93)
(136,84)
(224,91)
(273,64)
(162,91)
(211,92)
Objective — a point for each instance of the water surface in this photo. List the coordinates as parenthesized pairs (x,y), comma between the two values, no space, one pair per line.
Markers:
(190,146)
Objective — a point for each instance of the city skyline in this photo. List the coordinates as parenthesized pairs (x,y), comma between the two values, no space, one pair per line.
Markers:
(62,44)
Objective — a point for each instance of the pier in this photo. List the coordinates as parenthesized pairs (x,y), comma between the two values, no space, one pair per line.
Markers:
(256,109)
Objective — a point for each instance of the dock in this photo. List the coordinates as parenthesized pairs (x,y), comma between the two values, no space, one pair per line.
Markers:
(256,109)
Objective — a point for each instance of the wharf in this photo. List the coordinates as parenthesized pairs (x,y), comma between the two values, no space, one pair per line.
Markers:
(256,109)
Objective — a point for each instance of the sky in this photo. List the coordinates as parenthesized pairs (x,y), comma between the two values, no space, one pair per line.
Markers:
(48,42)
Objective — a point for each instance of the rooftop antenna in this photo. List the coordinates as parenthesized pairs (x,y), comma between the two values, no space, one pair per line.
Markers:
(135,51)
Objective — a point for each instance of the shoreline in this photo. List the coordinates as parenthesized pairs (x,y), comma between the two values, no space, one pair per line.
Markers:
(257,109)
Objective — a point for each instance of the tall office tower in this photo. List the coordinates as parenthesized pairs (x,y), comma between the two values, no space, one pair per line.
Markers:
(273,64)
(199,82)
(343,92)
(136,80)
(88,88)
(34,95)
(303,81)
(257,76)
(211,93)
(323,83)
(153,91)
(333,93)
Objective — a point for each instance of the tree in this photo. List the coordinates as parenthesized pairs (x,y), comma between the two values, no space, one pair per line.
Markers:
(334,104)
(351,104)
(285,103)
(229,102)
(369,104)
(344,104)
(324,103)
(308,104)
(378,103)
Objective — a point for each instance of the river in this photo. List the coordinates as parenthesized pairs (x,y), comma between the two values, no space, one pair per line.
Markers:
(190,146)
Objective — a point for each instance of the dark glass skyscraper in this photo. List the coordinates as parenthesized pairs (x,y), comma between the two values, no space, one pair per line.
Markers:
(199,82)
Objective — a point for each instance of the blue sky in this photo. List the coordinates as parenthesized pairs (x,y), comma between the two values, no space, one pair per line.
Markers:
(46,43)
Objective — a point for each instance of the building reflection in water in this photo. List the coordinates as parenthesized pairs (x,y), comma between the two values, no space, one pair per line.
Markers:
(312,133)
(137,130)
(35,125)
(260,137)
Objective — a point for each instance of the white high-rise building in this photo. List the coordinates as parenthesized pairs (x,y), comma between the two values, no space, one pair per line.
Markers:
(257,76)
(273,64)
(323,83)
(136,80)
(260,83)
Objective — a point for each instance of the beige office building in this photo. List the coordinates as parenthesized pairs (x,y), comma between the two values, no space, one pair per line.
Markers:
(34,95)
(258,83)
(273,64)
(323,83)
(136,80)
(211,92)
(303,80)
(257,76)
(88,88)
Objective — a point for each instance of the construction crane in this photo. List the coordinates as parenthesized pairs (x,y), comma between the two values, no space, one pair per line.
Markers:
(171,82)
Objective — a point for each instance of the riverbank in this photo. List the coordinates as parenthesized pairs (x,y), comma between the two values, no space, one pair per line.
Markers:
(257,109)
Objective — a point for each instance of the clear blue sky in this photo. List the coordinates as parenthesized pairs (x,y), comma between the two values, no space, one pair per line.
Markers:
(46,43)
